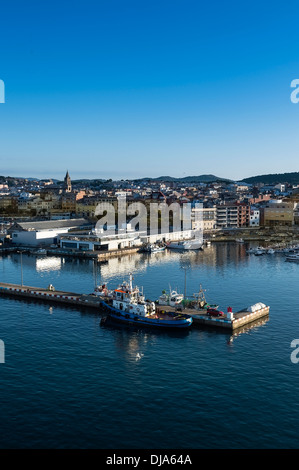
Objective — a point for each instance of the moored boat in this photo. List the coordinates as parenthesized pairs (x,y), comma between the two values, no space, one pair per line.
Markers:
(294,257)
(173,299)
(39,252)
(156,248)
(102,291)
(128,305)
(193,244)
(152,248)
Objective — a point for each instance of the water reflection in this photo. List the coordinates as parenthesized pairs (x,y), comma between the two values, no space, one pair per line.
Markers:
(247,328)
(134,342)
(217,255)
(48,263)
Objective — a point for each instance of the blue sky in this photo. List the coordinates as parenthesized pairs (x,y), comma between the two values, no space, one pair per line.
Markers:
(124,89)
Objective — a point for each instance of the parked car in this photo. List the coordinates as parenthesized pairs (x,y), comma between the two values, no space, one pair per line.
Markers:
(214,312)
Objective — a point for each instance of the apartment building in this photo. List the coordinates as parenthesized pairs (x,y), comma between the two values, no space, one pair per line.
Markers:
(206,219)
(279,212)
(232,215)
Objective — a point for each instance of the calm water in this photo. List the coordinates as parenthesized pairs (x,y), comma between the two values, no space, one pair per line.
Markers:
(68,382)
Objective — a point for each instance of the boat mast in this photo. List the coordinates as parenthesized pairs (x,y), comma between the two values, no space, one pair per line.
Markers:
(131,282)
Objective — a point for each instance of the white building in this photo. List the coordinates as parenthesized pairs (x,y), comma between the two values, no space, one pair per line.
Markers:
(281,187)
(46,232)
(119,241)
(205,220)
(254,217)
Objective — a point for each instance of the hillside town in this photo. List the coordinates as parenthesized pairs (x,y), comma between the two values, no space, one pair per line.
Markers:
(60,207)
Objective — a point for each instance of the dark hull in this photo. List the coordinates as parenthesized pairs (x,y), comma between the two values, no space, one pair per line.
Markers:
(178,321)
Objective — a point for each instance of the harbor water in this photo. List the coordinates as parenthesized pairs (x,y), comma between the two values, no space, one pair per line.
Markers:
(70,382)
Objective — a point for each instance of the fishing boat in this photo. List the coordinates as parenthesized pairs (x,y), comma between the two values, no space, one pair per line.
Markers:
(39,252)
(173,298)
(199,301)
(102,291)
(128,305)
(152,248)
(156,248)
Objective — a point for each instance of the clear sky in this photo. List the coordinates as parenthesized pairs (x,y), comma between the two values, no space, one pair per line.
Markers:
(131,88)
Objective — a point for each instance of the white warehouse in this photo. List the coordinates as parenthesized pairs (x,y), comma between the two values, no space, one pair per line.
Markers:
(45,232)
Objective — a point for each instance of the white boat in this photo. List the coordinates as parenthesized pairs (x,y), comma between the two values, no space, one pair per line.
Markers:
(193,245)
(176,245)
(239,240)
(186,245)
(40,251)
(102,291)
(173,298)
(270,251)
(294,257)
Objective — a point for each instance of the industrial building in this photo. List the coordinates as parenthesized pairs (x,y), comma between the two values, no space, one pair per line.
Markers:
(45,232)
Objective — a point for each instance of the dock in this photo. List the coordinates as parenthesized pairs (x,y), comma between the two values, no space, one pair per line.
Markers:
(240,318)
(50,295)
(200,317)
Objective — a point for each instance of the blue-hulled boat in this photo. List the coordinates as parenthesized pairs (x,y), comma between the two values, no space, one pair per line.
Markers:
(128,305)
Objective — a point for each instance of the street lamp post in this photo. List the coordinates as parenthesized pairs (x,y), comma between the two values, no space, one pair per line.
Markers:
(21,253)
(185,266)
(21,268)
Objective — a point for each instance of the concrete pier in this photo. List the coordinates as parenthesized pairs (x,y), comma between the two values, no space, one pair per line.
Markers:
(200,317)
(49,295)
(240,318)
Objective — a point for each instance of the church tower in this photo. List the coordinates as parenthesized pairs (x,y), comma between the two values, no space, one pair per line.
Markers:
(67,183)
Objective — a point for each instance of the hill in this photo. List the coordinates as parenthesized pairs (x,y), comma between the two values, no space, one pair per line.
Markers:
(274,178)
(187,179)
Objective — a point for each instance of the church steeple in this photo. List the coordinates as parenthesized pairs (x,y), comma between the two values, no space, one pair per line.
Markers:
(67,183)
